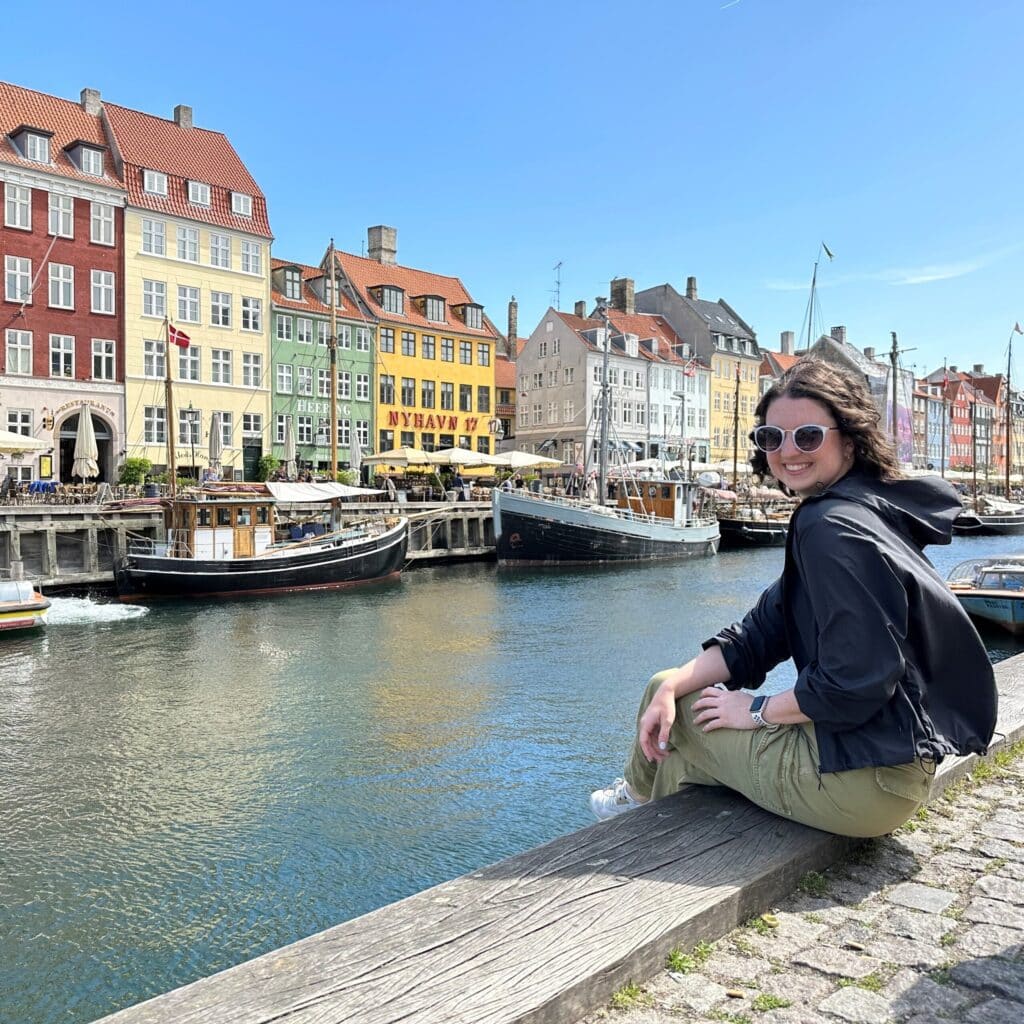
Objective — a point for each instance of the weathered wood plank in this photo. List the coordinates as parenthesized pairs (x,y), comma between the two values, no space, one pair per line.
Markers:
(544,936)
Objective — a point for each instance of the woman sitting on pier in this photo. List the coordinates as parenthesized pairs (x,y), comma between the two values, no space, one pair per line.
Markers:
(891,675)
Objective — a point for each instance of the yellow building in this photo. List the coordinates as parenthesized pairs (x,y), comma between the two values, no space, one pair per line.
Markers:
(729,368)
(435,356)
(197,256)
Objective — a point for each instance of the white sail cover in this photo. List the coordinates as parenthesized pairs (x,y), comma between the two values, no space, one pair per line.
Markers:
(299,493)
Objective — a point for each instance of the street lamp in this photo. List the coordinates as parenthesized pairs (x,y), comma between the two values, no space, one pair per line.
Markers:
(681,395)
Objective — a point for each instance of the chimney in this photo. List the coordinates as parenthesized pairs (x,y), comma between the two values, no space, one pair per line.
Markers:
(183,116)
(382,243)
(786,340)
(979,369)
(869,353)
(691,288)
(839,334)
(580,309)
(953,369)
(513,326)
(623,295)
(91,102)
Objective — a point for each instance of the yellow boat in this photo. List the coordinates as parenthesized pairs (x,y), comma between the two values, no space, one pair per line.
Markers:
(22,606)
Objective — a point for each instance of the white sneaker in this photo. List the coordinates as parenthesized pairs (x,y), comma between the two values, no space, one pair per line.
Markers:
(616,799)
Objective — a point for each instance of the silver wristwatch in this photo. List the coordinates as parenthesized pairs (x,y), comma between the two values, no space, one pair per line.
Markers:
(758,706)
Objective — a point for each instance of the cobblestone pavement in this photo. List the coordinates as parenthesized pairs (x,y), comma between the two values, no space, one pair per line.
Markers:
(923,926)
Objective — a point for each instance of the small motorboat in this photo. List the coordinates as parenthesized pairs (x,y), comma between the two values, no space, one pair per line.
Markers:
(991,589)
(22,606)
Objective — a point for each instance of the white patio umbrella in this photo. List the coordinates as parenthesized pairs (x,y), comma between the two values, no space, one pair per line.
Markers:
(216,440)
(10,443)
(289,447)
(399,457)
(86,452)
(463,457)
(524,460)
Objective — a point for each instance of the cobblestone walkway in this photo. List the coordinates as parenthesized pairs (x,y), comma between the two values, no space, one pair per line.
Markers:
(924,926)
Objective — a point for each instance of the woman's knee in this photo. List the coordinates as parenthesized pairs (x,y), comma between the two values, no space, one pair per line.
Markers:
(652,686)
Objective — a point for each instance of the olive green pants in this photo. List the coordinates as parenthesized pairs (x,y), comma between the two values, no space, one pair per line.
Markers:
(777,769)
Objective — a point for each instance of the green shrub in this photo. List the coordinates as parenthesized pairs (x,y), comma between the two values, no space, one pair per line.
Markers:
(266,466)
(134,471)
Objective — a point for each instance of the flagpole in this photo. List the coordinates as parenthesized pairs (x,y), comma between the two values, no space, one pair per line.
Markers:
(172,470)
(1009,418)
(942,432)
(332,344)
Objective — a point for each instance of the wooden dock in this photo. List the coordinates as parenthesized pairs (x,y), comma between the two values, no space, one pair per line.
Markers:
(548,935)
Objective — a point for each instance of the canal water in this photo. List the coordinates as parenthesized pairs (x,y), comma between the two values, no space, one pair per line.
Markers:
(187,786)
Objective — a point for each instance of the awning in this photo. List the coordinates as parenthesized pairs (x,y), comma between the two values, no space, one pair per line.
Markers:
(297,493)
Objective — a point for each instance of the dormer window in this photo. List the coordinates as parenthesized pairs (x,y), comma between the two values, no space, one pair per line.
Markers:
(292,284)
(90,161)
(199,193)
(241,204)
(37,148)
(474,315)
(392,299)
(434,308)
(154,182)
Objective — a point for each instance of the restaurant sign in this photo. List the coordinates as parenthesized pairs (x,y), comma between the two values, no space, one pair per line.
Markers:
(428,421)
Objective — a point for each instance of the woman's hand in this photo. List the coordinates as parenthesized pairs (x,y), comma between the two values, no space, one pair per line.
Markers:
(722,709)
(656,723)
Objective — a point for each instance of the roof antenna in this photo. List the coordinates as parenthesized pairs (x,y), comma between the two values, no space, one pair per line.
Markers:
(557,291)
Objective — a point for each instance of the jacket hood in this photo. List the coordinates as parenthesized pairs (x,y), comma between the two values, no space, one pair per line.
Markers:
(921,508)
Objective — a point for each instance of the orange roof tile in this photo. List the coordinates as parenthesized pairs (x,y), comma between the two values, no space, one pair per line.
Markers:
(68,122)
(185,154)
(505,371)
(311,304)
(650,325)
(364,274)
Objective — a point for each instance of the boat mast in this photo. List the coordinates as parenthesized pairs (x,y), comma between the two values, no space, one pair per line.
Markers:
(172,469)
(1009,419)
(602,465)
(332,345)
(942,431)
(736,431)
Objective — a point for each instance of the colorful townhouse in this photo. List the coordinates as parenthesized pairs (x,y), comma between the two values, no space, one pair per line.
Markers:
(725,343)
(435,355)
(300,359)
(196,257)
(63,294)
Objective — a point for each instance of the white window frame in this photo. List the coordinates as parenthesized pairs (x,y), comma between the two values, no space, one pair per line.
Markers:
(199,193)
(345,385)
(90,161)
(252,369)
(37,148)
(19,421)
(18,279)
(187,244)
(102,291)
(241,204)
(62,216)
(63,346)
(101,224)
(19,353)
(304,429)
(252,314)
(252,258)
(220,309)
(221,366)
(362,339)
(190,364)
(227,426)
(154,237)
(280,427)
(284,327)
(188,303)
(362,387)
(285,379)
(17,206)
(154,182)
(252,424)
(323,383)
(104,359)
(154,299)
(304,330)
(304,381)
(62,286)
(154,430)
(345,336)
(220,250)
(154,355)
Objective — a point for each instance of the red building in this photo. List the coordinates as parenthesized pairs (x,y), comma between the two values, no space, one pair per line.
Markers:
(62,304)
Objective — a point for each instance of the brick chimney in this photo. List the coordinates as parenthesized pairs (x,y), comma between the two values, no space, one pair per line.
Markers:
(839,334)
(979,369)
(953,369)
(183,116)
(513,326)
(382,243)
(869,353)
(691,288)
(787,343)
(580,309)
(91,102)
(623,293)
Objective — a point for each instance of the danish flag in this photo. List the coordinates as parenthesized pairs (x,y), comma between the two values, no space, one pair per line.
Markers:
(176,337)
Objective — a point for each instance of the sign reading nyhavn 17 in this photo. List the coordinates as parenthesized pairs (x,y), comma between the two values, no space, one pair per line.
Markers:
(429,421)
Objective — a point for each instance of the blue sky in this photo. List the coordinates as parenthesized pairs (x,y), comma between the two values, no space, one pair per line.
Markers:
(723,139)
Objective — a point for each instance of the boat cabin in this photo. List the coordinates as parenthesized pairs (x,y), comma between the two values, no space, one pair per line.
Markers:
(214,527)
(1001,577)
(664,499)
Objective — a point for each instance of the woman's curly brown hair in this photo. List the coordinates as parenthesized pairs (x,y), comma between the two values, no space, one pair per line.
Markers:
(846,396)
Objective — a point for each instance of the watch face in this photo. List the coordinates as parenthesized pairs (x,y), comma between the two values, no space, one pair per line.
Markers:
(757,703)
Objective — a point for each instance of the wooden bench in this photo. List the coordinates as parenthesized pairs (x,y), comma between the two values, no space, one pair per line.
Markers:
(547,935)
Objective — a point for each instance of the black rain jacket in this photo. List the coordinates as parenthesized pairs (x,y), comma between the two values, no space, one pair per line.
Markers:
(890,666)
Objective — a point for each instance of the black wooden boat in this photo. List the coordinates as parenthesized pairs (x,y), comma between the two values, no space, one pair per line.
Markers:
(224,544)
(751,529)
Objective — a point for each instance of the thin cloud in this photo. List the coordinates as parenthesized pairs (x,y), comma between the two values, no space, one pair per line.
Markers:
(932,272)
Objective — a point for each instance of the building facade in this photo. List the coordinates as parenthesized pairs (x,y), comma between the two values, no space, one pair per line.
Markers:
(434,363)
(196,256)
(61,243)
(300,360)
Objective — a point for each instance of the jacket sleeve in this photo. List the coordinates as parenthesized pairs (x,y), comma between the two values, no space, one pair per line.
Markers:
(753,647)
(861,615)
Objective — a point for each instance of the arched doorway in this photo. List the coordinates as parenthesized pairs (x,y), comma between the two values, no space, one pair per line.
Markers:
(68,434)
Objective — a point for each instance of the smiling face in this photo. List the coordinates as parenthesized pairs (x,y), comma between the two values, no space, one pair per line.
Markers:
(807,472)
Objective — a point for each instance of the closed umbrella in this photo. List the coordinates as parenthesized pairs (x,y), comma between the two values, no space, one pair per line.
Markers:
(355,453)
(216,441)
(289,446)
(86,452)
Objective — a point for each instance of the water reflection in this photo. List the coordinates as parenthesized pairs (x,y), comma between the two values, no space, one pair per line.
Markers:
(187,788)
